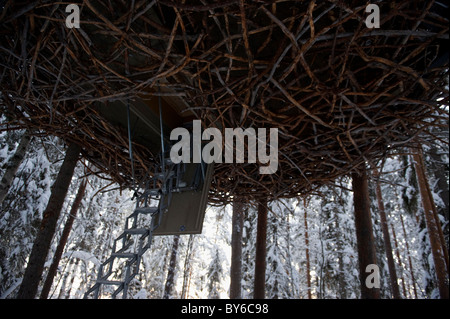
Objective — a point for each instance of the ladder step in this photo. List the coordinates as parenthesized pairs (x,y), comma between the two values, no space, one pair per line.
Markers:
(136,231)
(124,255)
(152,191)
(146,210)
(109,282)
(162,175)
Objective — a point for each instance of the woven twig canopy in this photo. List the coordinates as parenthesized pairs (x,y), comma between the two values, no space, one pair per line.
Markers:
(339,93)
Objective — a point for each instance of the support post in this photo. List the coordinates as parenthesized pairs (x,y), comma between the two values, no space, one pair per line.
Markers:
(364,232)
(260,259)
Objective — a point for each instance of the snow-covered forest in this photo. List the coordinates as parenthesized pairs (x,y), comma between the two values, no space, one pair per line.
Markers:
(311,241)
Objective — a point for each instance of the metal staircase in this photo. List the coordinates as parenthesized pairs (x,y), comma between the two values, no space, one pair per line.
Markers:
(136,237)
(117,272)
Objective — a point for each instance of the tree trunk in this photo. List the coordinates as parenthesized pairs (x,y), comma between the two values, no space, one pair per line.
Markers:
(397,252)
(411,270)
(435,235)
(236,248)
(364,232)
(435,213)
(260,258)
(69,274)
(171,271)
(63,240)
(308,267)
(41,246)
(274,289)
(187,267)
(438,171)
(386,237)
(13,165)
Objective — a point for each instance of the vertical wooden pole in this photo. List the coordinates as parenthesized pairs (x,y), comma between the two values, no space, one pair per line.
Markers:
(260,259)
(236,248)
(438,249)
(364,233)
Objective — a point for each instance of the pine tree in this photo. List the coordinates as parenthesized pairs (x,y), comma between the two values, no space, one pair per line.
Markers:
(405,235)
(364,232)
(215,271)
(187,271)
(13,165)
(24,205)
(438,249)
(172,268)
(35,267)
(261,252)
(248,252)
(63,240)
(386,237)
(236,248)
(308,264)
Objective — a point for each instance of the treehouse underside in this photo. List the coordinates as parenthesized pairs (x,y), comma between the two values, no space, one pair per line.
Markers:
(339,93)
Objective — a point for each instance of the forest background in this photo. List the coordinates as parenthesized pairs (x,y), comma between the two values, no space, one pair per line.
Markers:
(311,240)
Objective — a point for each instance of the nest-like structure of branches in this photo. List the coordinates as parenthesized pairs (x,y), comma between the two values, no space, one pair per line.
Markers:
(340,93)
